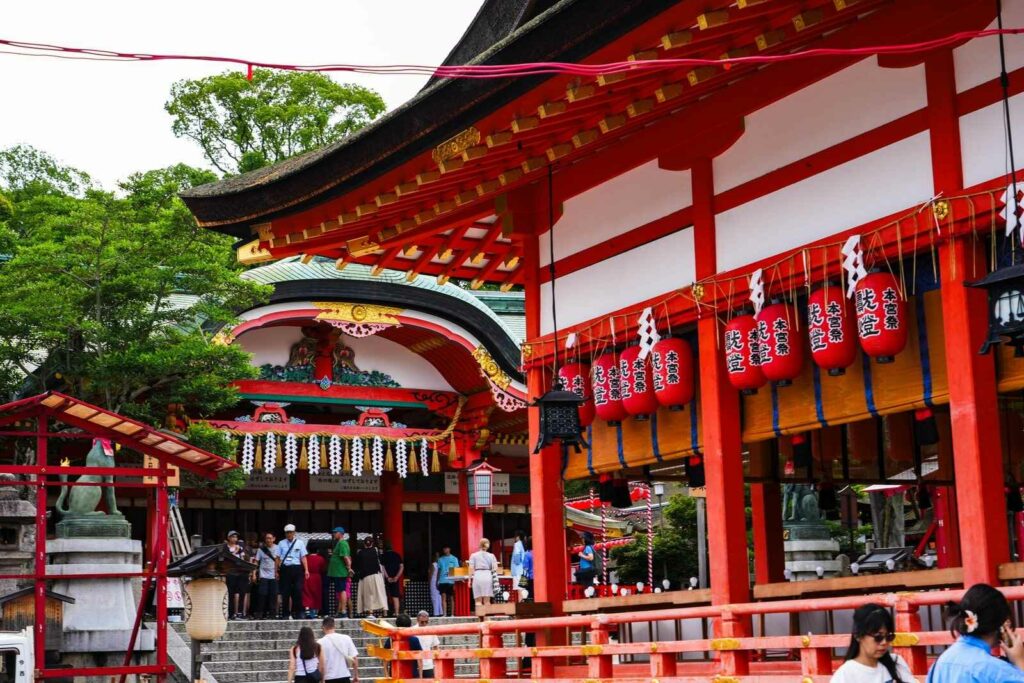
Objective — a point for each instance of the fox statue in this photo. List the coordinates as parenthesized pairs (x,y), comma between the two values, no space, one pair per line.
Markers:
(82,501)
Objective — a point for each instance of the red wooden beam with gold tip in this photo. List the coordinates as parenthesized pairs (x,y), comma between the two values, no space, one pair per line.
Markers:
(439,251)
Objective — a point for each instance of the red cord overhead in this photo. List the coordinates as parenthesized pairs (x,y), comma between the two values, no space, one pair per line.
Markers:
(503,70)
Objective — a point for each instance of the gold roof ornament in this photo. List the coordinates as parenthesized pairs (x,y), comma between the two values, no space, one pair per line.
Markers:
(456,145)
(251,253)
(341,312)
(489,367)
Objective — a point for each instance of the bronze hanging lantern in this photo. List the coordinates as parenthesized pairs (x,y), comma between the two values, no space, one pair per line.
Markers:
(1005,289)
(559,419)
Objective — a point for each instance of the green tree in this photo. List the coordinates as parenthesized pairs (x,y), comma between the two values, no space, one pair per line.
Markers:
(242,124)
(675,547)
(112,297)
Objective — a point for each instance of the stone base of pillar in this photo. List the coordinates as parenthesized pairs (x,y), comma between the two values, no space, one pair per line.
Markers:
(101,619)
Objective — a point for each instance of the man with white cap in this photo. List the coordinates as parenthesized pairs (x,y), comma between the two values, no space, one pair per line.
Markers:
(427,643)
(294,571)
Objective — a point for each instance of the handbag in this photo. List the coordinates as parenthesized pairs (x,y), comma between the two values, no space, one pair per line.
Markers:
(315,676)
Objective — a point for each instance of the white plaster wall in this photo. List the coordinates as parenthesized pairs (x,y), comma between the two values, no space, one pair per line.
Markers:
(855,100)
(983,141)
(627,201)
(630,277)
(891,179)
(273,344)
(977,61)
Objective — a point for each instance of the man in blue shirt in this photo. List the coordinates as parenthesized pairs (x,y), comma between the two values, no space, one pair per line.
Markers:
(291,554)
(445,583)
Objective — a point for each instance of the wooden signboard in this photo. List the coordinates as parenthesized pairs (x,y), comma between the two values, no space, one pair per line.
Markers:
(149,462)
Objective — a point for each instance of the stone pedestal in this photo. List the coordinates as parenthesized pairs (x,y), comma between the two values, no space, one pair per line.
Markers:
(102,617)
(17,538)
(809,546)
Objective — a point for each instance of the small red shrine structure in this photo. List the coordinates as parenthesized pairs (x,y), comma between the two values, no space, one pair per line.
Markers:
(681,198)
(55,417)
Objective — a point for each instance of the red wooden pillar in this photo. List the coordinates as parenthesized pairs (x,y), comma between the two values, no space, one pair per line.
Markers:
(947,538)
(550,557)
(159,559)
(723,463)
(40,557)
(972,378)
(766,510)
(394,496)
(471,521)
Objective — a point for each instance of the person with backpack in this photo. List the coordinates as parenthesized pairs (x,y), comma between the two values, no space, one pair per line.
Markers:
(306,659)
(265,605)
(341,664)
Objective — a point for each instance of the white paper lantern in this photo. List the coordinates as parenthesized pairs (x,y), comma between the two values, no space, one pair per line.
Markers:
(206,609)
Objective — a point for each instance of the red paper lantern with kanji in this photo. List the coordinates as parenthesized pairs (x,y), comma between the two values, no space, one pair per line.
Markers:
(672,363)
(607,388)
(742,354)
(780,348)
(881,316)
(830,329)
(575,377)
(637,383)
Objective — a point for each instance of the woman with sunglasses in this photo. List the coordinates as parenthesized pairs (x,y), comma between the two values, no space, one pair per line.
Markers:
(869,660)
(979,622)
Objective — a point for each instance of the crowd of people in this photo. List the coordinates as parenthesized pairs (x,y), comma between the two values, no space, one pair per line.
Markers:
(291,581)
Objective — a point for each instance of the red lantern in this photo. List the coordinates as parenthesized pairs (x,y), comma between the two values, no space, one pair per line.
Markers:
(672,361)
(881,316)
(637,383)
(605,380)
(830,330)
(780,348)
(742,354)
(575,377)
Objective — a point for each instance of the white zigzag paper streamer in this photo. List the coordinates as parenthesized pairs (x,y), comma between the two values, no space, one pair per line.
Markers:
(357,458)
(1011,210)
(248,454)
(377,456)
(291,454)
(313,453)
(270,454)
(648,332)
(853,264)
(334,455)
(424,458)
(757,290)
(401,459)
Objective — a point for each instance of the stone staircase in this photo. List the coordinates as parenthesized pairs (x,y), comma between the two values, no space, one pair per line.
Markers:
(252,651)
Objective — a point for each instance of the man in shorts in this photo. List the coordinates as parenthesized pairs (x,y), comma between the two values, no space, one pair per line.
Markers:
(339,571)
(445,583)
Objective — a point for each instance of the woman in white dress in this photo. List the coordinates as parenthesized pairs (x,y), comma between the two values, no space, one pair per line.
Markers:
(483,565)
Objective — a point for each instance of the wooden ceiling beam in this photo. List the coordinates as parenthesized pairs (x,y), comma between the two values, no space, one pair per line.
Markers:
(382,263)
(440,251)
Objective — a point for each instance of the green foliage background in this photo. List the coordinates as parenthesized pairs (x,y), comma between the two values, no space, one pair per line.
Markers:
(675,547)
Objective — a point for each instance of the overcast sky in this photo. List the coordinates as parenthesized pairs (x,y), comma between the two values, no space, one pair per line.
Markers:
(108,118)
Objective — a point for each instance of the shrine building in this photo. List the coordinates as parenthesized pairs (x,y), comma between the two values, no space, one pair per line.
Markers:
(771,277)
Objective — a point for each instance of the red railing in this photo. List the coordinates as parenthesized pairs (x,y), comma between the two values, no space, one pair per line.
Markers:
(731,653)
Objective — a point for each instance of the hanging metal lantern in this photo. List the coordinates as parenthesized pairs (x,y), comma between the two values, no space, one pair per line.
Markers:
(575,377)
(780,347)
(607,386)
(637,384)
(480,484)
(559,419)
(830,329)
(672,362)
(742,355)
(1005,289)
(881,316)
